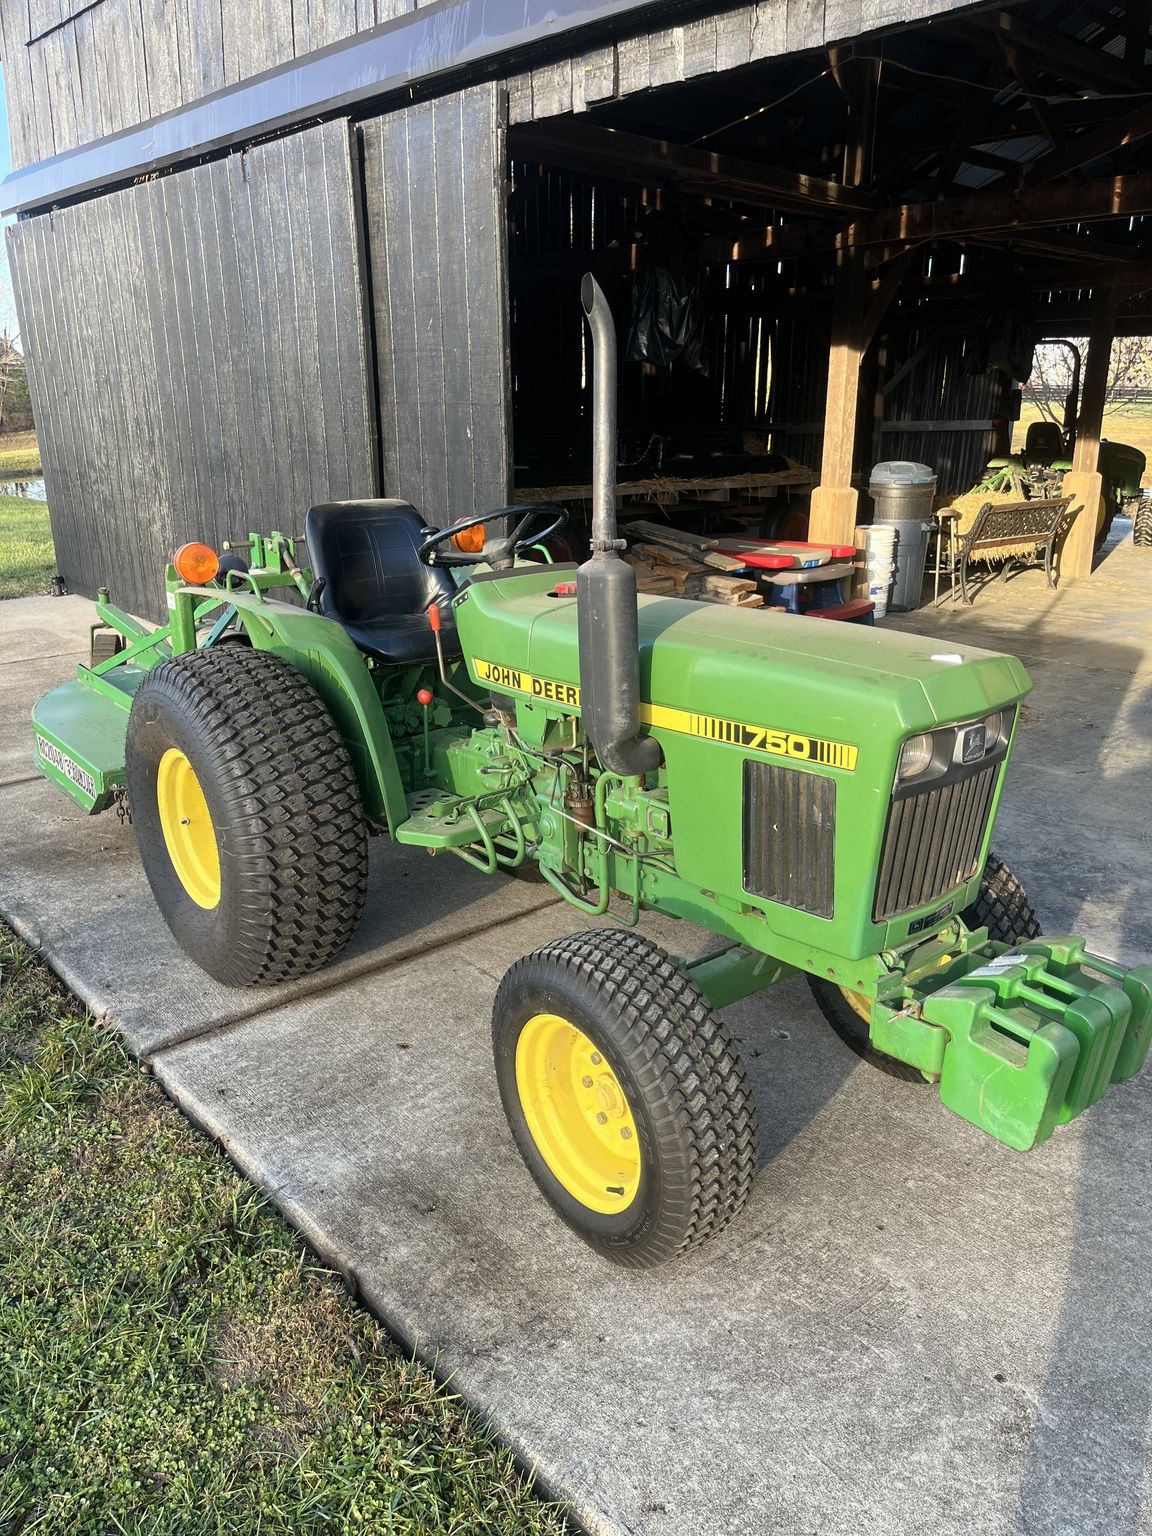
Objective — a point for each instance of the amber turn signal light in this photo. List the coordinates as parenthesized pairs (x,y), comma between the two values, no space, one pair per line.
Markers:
(470,541)
(196,564)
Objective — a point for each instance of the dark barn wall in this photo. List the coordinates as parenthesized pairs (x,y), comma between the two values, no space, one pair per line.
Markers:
(199,359)
(437,240)
(77,71)
(81,70)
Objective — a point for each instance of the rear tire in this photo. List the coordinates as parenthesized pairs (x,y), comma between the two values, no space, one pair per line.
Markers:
(606,1021)
(247,815)
(1001,906)
(1142,523)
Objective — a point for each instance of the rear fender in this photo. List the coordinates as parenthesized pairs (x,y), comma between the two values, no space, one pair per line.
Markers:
(321,650)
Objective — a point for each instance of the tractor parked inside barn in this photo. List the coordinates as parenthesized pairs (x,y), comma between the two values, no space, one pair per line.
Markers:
(820,798)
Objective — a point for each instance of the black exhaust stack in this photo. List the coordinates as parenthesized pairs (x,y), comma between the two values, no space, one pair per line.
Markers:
(606,585)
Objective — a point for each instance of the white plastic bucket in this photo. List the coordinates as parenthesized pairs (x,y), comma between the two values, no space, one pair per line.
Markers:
(879,587)
(881,543)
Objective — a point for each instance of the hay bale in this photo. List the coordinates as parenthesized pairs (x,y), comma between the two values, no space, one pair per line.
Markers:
(969,506)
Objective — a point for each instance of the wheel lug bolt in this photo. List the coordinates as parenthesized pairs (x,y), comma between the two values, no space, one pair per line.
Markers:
(596,1058)
(587,1081)
(626,1133)
(602,1118)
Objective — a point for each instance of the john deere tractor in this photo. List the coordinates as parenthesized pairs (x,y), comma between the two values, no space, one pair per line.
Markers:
(819,798)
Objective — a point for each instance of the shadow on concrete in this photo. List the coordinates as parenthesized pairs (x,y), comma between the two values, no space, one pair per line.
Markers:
(1076,822)
(1095,1410)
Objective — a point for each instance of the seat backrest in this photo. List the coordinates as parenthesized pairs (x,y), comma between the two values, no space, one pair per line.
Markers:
(366,554)
(1043,442)
(1016,522)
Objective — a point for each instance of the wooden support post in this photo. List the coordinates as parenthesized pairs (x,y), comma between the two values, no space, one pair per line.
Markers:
(833,515)
(1083,482)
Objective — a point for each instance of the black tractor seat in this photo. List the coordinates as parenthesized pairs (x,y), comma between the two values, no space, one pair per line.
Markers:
(370,579)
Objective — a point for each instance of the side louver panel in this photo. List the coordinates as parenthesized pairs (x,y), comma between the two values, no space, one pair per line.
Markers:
(790,837)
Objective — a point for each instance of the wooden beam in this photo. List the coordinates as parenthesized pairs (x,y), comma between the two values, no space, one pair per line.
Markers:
(885,292)
(1000,212)
(859,82)
(1033,96)
(1083,482)
(1091,146)
(587,147)
(1065,57)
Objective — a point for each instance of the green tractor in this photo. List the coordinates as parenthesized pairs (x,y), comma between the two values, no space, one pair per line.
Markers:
(1048,453)
(819,798)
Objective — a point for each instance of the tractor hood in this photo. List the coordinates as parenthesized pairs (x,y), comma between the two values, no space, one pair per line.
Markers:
(798,674)
(780,738)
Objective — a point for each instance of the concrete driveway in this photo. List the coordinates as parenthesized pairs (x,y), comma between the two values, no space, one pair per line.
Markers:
(911,1330)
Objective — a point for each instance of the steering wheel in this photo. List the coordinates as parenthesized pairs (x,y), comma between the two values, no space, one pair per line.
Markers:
(500,554)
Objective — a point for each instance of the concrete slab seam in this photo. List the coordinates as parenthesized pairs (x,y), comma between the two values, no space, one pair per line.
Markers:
(27,778)
(23,661)
(323,983)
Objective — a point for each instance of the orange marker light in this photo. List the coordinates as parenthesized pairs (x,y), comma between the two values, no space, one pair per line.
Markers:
(470,541)
(197,564)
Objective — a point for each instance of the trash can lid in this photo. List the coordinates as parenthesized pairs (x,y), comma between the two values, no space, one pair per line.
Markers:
(901,472)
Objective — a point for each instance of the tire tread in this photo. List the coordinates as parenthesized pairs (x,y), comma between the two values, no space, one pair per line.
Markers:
(683,1056)
(302,841)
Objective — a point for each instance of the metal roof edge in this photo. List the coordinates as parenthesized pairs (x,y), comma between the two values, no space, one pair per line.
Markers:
(436,39)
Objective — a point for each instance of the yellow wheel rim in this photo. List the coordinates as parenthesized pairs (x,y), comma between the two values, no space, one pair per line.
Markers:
(577,1114)
(858,1003)
(186,823)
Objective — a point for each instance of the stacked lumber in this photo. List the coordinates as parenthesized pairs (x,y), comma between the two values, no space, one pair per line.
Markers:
(670,562)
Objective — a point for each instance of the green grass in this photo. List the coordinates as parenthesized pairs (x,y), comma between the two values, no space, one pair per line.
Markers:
(27,555)
(19,455)
(172,1361)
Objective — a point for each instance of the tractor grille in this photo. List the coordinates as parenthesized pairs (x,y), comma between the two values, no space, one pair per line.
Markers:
(789,836)
(933,842)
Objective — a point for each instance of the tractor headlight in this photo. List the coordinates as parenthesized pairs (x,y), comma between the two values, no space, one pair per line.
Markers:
(953,750)
(915,757)
(997,728)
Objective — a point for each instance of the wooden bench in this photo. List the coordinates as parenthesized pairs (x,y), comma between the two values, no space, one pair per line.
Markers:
(1018,533)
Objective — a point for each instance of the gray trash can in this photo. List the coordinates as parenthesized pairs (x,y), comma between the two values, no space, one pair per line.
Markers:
(911,557)
(902,492)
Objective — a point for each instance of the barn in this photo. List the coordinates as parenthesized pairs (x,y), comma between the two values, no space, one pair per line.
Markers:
(267,256)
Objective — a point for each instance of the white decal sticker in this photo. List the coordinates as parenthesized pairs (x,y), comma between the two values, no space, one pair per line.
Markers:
(64,764)
(1001,963)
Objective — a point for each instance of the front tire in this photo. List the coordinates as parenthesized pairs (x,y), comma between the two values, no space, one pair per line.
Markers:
(247,815)
(1142,523)
(1002,906)
(625,1096)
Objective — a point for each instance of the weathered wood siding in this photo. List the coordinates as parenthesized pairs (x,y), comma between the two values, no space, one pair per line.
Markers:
(437,239)
(76,71)
(75,74)
(198,358)
(735,35)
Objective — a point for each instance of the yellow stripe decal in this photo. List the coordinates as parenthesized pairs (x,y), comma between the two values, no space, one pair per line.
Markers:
(735,733)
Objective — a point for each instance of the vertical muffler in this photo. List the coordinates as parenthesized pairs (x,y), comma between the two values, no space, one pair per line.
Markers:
(606,585)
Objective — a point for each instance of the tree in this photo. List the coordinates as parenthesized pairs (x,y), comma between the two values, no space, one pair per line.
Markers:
(1130,367)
